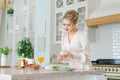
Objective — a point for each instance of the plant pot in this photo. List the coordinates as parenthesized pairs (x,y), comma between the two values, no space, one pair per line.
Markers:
(3,60)
(30,61)
(10,15)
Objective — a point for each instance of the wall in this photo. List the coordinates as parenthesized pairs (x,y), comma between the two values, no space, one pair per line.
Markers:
(106,7)
(2,29)
(55,48)
(0,16)
(106,43)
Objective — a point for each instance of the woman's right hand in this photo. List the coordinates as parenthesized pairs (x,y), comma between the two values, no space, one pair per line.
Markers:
(59,58)
(68,55)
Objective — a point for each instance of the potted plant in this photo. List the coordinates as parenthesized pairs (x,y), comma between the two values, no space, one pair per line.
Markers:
(10,11)
(25,47)
(5,52)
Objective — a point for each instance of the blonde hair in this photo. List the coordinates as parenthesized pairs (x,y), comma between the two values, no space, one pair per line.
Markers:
(71,15)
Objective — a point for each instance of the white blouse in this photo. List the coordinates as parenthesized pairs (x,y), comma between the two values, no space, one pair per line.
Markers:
(79,47)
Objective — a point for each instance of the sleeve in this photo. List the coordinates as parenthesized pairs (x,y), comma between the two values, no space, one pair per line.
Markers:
(85,41)
(86,49)
(83,54)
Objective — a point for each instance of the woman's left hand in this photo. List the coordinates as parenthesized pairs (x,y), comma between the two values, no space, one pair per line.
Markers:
(70,55)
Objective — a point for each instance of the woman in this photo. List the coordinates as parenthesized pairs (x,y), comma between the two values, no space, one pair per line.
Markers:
(74,43)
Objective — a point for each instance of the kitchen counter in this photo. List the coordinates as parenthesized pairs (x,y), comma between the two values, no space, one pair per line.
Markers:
(42,74)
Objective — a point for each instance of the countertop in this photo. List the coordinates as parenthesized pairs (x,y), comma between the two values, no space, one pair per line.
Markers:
(13,73)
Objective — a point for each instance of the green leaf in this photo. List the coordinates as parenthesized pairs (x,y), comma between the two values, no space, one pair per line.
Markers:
(10,11)
(5,50)
(1,50)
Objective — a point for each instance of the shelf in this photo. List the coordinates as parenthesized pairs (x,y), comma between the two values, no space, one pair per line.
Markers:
(4,66)
(94,22)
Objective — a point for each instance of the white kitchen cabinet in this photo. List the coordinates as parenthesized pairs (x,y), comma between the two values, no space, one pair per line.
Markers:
(61,6)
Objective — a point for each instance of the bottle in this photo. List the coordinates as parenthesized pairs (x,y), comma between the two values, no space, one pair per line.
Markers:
(22,61)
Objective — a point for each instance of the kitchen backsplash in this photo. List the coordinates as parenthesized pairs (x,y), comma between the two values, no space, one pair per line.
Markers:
(107,42)
(116,40)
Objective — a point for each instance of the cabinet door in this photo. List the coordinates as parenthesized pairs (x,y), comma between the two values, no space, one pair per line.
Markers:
(58,26)
(82,17)
(80,1)
(59,4)
(69,4)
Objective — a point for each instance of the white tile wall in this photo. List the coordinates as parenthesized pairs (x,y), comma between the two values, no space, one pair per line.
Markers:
(107,42)
(116,41)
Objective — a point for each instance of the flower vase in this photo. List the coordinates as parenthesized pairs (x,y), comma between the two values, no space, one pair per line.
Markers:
(3,60)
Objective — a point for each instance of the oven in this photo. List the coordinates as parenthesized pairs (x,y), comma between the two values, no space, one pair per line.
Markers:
(112,72)
(110,66)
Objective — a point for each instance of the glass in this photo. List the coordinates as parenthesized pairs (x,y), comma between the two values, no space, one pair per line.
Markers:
(41,58)
(69,2)
(81,0)
(58,26)
(59,3)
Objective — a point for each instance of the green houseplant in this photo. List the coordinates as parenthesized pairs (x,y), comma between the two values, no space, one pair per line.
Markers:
(25,47)
(5,51)
(10,11)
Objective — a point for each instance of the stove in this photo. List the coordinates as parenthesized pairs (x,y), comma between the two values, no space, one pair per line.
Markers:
(108,65)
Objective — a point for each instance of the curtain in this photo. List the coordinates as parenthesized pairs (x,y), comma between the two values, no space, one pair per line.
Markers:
(0,16)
